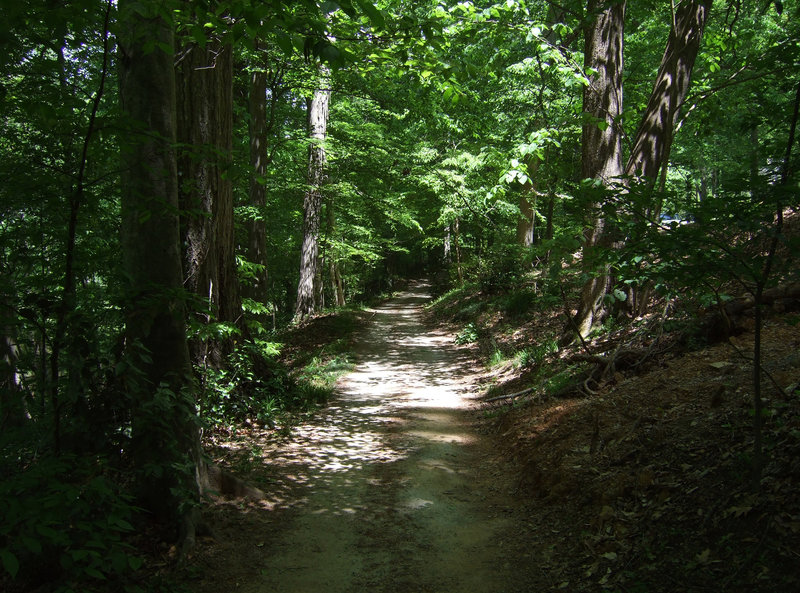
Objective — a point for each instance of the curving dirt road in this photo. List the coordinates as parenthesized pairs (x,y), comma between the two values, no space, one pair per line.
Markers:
(391,488)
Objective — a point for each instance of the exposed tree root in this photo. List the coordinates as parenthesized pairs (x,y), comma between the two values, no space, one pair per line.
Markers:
(510,395)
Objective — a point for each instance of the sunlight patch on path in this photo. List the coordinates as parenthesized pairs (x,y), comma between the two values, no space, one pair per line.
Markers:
(379,486)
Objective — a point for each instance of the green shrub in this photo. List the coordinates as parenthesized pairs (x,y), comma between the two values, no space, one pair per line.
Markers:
(64,521)
(468,335)
(518,303)
(535,355)
(253,386)
(501,269)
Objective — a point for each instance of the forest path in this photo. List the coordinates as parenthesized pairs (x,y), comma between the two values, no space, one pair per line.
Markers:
(391,487)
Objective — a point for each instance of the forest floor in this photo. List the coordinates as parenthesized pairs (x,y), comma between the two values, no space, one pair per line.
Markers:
(410,480)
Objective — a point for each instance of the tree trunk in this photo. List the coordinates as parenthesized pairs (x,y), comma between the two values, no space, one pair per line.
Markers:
(755,181)
(447,250)
(601,157)
(256,289)
(165,443)
(457,245)
(336,284)
(337,289)
(205,131)
(526,224)
(312,203)
(653,138)
(13,410)
(549,230)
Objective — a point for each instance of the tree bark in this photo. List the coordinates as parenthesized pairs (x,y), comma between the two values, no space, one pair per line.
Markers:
(549,230)
(649,158)
(312,203)
(165,443)
(526,223)
(205,131)
(601,157)
(256,289)
(337,288)
(457,245)
(13,410)
(653,138)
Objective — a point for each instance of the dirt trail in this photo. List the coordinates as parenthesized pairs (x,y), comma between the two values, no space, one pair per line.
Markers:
(390,488)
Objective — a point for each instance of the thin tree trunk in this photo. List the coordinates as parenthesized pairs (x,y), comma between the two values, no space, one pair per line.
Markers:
(336,283)
(549,230)
(758,295)
(337,273)
(165,442)
(754,180)
(312,203)
(13,411)
(336,278)
(457,242)
(205,130)
(601,157)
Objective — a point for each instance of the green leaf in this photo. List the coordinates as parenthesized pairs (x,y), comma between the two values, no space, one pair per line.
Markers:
(135,562)
(285,43)
(328,52)
(375,15)
(93,572)
(347,7)
(10,562)
(32,544)
(328,7)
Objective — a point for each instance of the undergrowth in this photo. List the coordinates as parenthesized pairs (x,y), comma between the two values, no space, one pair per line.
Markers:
(66,523)
(270,381)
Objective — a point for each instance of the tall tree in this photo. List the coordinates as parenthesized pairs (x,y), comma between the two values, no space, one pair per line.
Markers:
(526,224)
(653,139)
(649,158)
(205,134)
(308,285)
(259,156)
(165,437)
(601,156)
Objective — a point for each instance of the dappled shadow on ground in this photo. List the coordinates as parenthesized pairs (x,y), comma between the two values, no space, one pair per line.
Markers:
(409,387)
(381,489)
